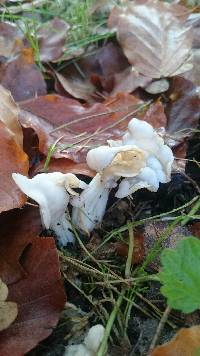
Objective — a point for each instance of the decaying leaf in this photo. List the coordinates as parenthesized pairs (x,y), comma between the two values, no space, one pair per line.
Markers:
(63,165)
(10,40)
(138,253)
(22,77)
(30,267)
(51,39)
(13,159)
(86,126)
(183,108)
(76,88)
(185,343)
(8,310)
(154,36)
(9,113)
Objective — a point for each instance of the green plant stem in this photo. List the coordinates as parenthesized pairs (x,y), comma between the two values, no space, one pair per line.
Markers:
(103,346)
(194,209)
(130,252)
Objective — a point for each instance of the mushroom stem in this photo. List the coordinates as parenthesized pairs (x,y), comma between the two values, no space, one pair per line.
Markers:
(89,207)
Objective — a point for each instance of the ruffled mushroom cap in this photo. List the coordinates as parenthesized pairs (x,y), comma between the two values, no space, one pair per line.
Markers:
(51,191)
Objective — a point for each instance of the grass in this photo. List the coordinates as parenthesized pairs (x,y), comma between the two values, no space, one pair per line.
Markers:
(86,28)
(111,290)
(122,288)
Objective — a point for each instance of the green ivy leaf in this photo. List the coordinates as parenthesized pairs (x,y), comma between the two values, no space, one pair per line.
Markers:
(180,275)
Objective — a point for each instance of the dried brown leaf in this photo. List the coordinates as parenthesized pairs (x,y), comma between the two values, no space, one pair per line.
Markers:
(10,40)
(9,113)
(185,343)
(86,125)
(30,267)
(13,159)
(154,39)
(75,87)
(51,39)
(22,77)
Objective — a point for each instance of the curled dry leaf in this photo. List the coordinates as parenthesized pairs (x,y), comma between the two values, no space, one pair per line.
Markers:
(51,39)
(22,77)
(29,266)
(154,39)
(185,343)
(8,310)
(9,113)
(13,159)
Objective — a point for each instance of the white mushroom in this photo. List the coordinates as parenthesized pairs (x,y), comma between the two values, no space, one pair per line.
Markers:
(159,159)
(111,163)
(52,192)
(90,345)
(141,158)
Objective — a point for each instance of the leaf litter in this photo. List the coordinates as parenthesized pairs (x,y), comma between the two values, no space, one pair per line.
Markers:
(72,79)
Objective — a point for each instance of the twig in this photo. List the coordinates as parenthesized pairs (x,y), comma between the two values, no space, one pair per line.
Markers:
(159,328)
(130,252)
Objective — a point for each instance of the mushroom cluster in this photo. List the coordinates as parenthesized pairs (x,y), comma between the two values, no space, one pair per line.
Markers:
(139,160)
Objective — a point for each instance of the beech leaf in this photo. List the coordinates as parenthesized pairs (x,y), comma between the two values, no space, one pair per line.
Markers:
(154,38)
(180,275)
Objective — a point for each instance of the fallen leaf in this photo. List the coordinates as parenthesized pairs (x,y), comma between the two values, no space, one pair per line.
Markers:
(51,39)
(186,342)
(37,288)
(151,35)
(183,108)
(8,310)
(86,126)
(18,228)
(9,113)
(10,40)
(128,80)
(64,165)
(157,86)
(138,253)
(155,115)
(195,229)
(22,77)
(75,87)
(13,159)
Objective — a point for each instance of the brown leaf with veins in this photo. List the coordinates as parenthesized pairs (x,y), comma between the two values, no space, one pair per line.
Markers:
(92,126)
(9,113)
(22,77)
(13,159)
(154,39)
(8,310)
(51,39)
(186,342)
(30,268)
(64,165)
